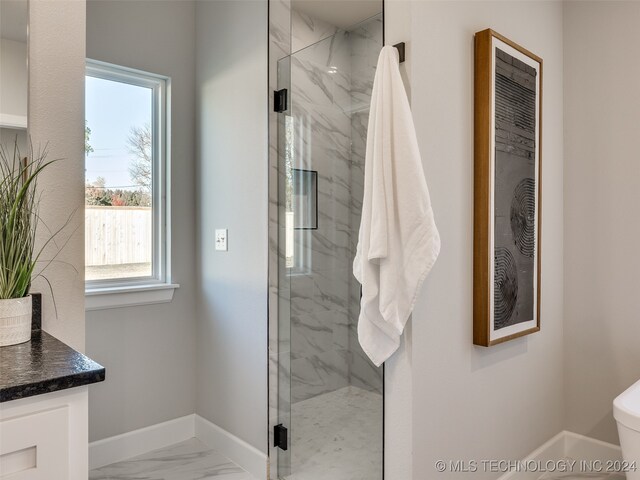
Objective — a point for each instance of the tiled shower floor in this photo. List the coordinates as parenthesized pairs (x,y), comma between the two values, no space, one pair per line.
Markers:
(337,436)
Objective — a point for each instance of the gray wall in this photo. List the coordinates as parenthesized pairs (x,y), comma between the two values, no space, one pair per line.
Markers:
(472,402)
(149,351)
(231,89)
(602,320)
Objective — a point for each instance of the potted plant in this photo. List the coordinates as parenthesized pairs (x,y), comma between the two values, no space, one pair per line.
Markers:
(19,219)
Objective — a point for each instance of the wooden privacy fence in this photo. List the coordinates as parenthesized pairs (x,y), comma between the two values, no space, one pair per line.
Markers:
(117,235)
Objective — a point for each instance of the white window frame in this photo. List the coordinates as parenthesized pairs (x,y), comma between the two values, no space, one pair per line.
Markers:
(158,288)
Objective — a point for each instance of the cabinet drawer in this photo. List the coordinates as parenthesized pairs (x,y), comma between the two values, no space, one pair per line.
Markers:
(35,446)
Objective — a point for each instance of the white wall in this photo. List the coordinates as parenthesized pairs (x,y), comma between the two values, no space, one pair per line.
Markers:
(13,78)
(602,121)
(149,351)
(231,87)
(398,371)
(472,402)
(56,115)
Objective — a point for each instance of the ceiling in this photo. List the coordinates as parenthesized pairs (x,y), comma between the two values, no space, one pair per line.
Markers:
(340,13)
(13,20)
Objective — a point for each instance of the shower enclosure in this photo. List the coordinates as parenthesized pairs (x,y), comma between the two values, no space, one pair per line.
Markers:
(330,396)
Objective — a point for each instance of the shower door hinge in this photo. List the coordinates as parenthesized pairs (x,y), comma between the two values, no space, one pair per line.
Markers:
(280,437)
(280,100)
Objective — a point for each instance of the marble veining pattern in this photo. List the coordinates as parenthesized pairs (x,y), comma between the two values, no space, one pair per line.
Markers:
(329,111)
(189,460)
(337,436)
(313,347)
(306,30)
(365,41)
(320,105)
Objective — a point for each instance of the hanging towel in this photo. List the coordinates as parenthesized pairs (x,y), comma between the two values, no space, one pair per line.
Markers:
(398,241)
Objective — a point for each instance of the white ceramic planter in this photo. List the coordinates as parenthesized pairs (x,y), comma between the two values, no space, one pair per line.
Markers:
(15,321)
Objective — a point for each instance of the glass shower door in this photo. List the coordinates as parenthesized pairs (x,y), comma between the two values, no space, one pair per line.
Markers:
(330,394)
(285,256)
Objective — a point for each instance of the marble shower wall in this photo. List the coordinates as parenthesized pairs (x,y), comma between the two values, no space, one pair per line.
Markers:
(320,112)
(365,42)
(331,83)
(306,30)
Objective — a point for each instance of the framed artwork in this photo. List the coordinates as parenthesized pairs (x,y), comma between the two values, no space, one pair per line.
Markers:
(508,190)
(305,199)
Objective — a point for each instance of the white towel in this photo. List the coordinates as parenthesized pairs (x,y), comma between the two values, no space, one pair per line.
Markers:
(398,241)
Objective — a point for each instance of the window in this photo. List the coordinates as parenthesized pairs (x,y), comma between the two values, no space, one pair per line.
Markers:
(126,165)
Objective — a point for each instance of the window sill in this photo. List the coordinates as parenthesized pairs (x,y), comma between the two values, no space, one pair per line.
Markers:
(129,296)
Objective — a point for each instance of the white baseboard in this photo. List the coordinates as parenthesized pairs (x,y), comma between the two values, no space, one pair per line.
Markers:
(138,442)
(567,445)
(580,447)
(551,450)
(131,444)
(240,452)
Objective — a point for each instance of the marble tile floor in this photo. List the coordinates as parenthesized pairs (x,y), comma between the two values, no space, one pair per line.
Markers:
(337,436)
(189,460)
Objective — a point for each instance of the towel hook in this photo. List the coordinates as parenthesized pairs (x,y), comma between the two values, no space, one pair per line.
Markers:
(400,47)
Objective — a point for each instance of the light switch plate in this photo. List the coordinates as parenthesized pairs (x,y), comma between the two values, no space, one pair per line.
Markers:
(221,240)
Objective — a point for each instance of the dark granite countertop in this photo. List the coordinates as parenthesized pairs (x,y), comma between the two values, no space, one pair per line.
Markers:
(44,365)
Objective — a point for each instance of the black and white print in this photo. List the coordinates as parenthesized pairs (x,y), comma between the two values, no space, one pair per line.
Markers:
(514,191)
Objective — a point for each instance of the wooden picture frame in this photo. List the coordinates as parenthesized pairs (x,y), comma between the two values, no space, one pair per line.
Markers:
(508,190)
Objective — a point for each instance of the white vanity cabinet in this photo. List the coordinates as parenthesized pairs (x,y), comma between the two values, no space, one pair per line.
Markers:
(45,437)
(44,414)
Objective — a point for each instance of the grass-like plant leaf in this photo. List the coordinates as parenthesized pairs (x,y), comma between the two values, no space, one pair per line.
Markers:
(19,219)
